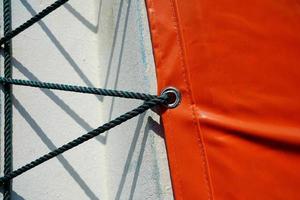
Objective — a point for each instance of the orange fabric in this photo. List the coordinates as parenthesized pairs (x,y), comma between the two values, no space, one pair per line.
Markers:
(236,134)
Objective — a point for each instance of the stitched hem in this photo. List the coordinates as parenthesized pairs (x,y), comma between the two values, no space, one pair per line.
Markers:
(157,47)
(192,102)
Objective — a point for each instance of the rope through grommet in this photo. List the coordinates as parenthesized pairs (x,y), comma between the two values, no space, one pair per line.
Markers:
(119,120)
(174,97)
(7,81)
(79,89)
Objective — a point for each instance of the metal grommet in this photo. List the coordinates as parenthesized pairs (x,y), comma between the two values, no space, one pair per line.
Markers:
(174,96)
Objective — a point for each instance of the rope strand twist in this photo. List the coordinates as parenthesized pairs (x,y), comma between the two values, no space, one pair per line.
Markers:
(7,81)
(7,54)
(117,121)
(32,21)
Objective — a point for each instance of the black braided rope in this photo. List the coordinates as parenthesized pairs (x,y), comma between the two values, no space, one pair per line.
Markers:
(7,52)
(6,81)
(117,121)
(80,89)
(32,21)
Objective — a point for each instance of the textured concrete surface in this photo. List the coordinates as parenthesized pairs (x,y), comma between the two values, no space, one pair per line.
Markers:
(100,43)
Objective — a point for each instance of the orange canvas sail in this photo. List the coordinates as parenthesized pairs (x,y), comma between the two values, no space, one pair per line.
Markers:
(236,134)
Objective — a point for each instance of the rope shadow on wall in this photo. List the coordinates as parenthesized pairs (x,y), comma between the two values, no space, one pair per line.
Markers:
(150,101)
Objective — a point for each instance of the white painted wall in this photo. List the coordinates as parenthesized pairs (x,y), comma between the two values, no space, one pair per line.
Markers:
(100,43)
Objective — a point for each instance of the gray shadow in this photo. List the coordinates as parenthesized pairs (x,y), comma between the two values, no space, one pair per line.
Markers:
(60,48)
(139,161)
(82,19)
(15,196)
(56,99)
(114,43)
(156,127)
(121,52)
(151,125)
(113,47)
(44,138)
(130,155)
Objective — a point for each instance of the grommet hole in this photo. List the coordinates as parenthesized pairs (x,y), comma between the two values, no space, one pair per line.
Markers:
(171,98)
(174,97)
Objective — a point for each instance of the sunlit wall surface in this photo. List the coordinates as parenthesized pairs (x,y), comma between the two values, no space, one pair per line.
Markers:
(99,43)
